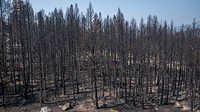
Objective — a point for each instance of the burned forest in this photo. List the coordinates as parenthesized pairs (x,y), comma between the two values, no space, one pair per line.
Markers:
(70,56)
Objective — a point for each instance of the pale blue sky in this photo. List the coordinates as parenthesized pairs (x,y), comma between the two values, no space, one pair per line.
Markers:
(180,11)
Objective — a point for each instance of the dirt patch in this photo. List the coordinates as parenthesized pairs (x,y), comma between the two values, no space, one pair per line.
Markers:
(88,106)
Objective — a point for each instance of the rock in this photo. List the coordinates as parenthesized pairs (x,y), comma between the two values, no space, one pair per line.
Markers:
(102,104)
(60,106)
(172,101)
(111,110)
(178,105)
(45,109)
(92,104)
(155,108)
(185,108)
(66,106)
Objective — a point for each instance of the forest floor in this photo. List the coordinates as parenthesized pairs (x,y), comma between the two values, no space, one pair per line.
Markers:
(87,105)
(84,103)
